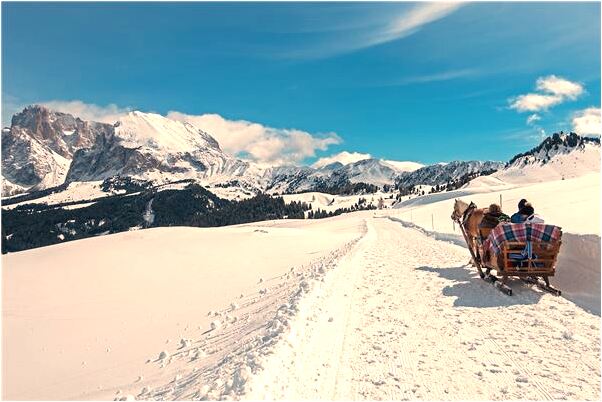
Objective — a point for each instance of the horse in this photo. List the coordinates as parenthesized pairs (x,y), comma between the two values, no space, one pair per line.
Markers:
(469,216)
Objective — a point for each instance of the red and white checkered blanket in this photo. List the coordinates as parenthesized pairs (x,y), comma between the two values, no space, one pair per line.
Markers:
(520,232)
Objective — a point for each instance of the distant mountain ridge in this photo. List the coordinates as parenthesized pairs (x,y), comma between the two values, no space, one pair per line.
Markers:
(558,143)
(558,157)
(443,173)
(44,149)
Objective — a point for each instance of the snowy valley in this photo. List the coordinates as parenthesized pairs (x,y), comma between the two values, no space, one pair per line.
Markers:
(111,230)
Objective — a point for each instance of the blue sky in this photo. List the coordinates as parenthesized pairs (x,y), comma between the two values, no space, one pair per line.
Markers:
(404,81)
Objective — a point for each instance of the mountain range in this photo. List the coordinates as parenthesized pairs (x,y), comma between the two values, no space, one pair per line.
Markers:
(79,179)
(45,148)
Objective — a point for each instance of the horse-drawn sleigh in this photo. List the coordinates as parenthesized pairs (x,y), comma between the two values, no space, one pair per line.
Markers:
(527,251)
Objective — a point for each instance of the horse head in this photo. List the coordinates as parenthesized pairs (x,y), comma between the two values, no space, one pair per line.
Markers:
(458,211)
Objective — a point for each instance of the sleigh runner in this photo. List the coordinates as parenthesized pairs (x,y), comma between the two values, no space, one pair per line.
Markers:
(527,251)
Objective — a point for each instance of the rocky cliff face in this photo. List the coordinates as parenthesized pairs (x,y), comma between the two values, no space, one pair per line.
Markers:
(38,147)
(153,147)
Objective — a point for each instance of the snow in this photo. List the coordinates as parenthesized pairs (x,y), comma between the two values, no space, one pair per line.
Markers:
(158,132)
(76,191)
(405,166)
(407,309)
(370,305)
(552,200)
(325,201)
(575,163)
(9,188)
(573,204)
(58,173)
(230,193)
(112,301)
(328,310)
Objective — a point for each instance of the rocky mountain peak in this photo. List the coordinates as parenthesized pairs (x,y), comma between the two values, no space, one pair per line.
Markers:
(558,143)
(159,132)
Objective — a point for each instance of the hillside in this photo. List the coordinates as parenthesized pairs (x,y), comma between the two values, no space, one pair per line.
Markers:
(558,157)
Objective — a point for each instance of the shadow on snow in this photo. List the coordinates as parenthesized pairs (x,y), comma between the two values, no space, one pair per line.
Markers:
(471,291)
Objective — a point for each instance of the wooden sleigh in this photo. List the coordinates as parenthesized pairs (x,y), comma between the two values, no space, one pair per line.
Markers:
(536,268)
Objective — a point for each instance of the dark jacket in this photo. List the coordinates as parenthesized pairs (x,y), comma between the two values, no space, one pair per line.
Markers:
(491,220)
(517,217)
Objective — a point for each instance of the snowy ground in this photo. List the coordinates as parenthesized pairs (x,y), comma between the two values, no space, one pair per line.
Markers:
(85,319)
(352,307)
(404,318)
(368,305)
(573,204)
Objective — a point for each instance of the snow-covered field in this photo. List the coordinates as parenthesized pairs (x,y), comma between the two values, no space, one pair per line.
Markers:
(404,318)
(284,309)
(77,191)
(573,204)
(368,305)
(85,319)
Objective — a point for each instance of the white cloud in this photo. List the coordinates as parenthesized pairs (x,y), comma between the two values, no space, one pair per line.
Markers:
(588,122)
(245,139)
(409,22)
(390,26)
(553,91)
(533,118)
(534,102)
(342,157)
(257,142)
(88,111)
(559,86)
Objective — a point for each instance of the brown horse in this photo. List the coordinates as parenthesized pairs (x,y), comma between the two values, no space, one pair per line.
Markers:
(470,217)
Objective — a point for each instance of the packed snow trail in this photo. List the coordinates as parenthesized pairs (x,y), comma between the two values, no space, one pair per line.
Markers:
(403,317)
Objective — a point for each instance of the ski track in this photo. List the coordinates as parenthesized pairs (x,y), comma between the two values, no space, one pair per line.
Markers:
(217,364)
(403,317)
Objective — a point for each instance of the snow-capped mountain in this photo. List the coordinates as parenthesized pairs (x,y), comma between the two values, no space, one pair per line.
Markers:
(442,173)
(38,147)
(152,147)
(558,157)
(44,148)
(369,171)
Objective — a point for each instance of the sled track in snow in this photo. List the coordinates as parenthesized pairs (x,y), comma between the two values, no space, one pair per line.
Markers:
(218,365)
(402,317)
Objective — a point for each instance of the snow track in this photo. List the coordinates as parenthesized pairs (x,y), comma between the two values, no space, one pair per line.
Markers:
(402,317)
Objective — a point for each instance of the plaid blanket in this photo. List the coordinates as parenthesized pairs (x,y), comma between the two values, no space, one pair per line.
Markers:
(520,232)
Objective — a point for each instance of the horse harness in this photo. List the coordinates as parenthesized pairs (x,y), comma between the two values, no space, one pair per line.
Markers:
(468,212)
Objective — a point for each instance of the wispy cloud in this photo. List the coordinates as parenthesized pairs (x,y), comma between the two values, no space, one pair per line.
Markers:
(392,26)
(533,118)
(411,21)
(426,78)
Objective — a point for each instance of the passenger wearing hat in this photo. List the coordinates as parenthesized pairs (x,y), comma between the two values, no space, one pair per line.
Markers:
(518,217)
(526,214)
